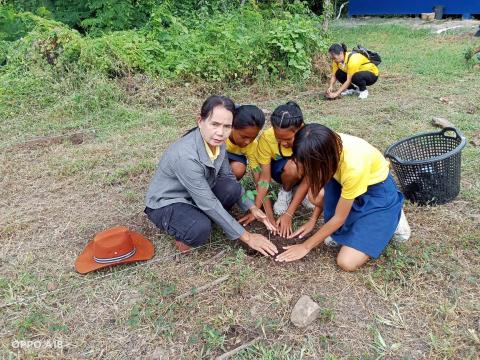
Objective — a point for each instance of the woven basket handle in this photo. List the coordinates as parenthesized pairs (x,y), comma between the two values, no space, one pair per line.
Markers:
(392,157)
(444,130)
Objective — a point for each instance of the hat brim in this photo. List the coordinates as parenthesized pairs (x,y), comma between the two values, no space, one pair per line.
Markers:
(144,250)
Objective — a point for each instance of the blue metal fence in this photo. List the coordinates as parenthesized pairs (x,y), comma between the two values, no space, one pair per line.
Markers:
(466,8)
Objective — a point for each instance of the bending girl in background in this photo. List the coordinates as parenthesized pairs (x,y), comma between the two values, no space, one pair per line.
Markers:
(353,70)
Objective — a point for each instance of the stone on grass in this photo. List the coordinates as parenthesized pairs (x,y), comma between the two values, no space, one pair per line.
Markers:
(476,139)
(441,122)
(304,312)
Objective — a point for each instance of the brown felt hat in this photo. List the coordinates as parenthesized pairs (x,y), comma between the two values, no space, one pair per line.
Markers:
(114,246)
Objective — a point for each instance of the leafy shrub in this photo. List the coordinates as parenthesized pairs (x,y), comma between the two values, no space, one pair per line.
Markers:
(244,43)
(46,43)
(12,25)
(293,42)
(99,16)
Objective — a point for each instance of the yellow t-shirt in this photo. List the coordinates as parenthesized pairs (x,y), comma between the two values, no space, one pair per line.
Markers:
(360,166)
(268,148)
(211,155)
(354,63)
(250,151)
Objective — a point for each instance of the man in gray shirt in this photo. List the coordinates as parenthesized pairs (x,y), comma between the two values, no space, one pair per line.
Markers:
(193,185)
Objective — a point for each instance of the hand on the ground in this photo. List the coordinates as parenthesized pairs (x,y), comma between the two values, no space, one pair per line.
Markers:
(330,90)
(284,224)
(247,219)
(261,244)
(303,230)
(271,218)
(260,216)
(292,253)
(333,95)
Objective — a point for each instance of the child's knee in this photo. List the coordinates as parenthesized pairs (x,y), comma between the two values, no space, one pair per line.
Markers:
(239,173)
(290,173)
(350,259)
(346,264)
(238,169)
(290,168)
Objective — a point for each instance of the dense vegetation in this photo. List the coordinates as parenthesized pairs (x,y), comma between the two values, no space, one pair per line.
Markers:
(187,40)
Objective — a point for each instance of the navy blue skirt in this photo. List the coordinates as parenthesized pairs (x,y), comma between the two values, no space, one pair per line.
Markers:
(373,219)
(277,166)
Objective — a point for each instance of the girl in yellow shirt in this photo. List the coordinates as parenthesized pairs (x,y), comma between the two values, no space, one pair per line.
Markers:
(274,152)
(353,70)
(242,144)
(350,182)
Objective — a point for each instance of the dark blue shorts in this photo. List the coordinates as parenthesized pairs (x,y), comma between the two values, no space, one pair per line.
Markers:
(372,221)
(237,157)
(276,167)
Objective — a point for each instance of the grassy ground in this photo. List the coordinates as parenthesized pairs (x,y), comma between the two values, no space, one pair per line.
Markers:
(418,301)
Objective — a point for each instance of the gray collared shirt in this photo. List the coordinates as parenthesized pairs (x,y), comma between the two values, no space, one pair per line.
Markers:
(186,174)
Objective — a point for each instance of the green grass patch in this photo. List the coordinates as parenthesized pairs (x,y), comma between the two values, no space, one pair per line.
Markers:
(419,53)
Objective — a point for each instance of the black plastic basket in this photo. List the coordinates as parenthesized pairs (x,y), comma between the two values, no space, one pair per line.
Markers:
(428,166)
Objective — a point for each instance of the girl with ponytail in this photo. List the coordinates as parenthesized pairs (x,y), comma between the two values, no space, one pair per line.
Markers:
(274,152)
(353,70)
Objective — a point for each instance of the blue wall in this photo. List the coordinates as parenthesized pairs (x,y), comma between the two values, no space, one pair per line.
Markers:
(404,7)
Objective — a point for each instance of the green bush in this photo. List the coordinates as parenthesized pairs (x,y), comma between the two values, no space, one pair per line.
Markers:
(12,25)
(244,43)
(120,53)
(98,16)
(47,43)
(293,41)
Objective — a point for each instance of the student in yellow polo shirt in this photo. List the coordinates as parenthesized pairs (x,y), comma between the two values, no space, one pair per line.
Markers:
(274,152)
(350,182)
(353,70)
(242,143)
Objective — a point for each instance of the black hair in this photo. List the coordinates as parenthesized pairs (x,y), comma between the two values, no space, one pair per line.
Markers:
(212,102)
(317,148)
(286,116)
(247,116)
(337,49)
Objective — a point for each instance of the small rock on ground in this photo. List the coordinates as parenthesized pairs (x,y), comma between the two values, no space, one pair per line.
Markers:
(304,312)
(441,122)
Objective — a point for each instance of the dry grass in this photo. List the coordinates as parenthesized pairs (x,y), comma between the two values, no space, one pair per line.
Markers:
(418,301)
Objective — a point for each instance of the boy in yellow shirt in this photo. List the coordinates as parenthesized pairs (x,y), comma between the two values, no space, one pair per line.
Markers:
(353,70)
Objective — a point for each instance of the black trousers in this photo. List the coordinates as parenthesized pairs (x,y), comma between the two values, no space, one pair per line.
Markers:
(188,223)
(362,79)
